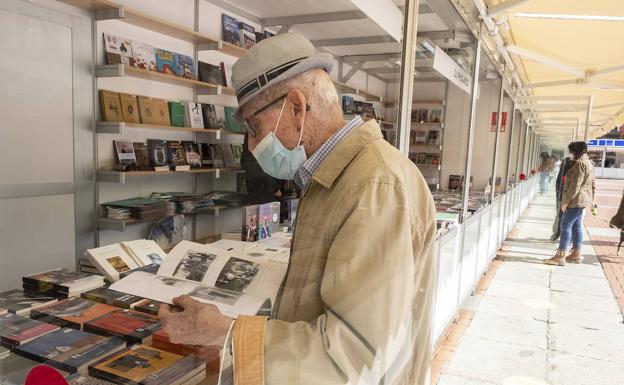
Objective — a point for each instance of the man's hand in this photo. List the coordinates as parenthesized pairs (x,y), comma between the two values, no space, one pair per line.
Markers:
(564,207)
(196,324)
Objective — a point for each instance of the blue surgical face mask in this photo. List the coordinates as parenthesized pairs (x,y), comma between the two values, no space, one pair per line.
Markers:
(275,159)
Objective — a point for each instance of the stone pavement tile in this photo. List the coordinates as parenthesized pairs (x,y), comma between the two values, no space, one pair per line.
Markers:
(598,344)
(584,301)
(568,369)
(589,268)
(587,318)
(494,362)
(527,276)
(513,308)
(582,285)
(518,291)
(525,332)
(448,379)
(604,232)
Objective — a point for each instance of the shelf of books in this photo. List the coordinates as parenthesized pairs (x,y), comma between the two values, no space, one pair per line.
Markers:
(351,90)
(119,128)
(120,177)
(426,135)
(120,224)
(156,24)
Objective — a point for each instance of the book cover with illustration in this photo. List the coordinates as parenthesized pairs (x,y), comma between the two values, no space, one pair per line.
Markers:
(22,303)
(62,281)
(72,312)
(142,157)
(177,114)
(177,158)
(129,108)
(230,122)
(193,156)
(118,50)
(231,33)
(115,298)
(110,106)
(247,35)
(16,330)
(131,325)
(165,62)
(143,56)
(184,66)
(158,154)
(194,115)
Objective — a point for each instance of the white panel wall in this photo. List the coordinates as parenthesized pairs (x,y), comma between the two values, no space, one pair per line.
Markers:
(455,134)
(483,150)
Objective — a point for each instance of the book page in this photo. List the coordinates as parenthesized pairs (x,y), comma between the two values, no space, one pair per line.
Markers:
(145,252)
(111,260)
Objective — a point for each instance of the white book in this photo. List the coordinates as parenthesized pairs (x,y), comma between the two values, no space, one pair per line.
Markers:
(111,260)
(194,115)
(145,252)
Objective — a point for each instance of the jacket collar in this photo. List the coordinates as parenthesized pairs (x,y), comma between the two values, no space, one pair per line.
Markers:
(345,151)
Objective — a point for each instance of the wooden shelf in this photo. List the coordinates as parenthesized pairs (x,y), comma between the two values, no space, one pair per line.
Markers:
(104,223)
(106,9)
(122,70)
(120,177)
(119,128)
(426,125)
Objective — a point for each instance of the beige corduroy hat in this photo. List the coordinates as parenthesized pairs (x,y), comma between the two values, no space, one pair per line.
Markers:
(274,60)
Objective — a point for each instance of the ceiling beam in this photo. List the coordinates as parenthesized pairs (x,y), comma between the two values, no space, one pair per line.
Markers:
(504,6)
(385,14)
(551,83)
(540,58)
(372,57)
(462,37)
(353,41)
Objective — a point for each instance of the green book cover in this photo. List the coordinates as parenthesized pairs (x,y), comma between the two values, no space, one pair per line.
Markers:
(176,113)
(230,122)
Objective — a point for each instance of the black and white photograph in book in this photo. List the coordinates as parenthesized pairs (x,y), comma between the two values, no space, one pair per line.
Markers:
(194,265)
(169,281)
(226,297)
(236,275)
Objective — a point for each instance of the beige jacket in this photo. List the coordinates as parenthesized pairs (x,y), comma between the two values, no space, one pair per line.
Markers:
(578,189)
(356,305)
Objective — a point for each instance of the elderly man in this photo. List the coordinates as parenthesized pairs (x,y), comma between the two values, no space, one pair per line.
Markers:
(355,306)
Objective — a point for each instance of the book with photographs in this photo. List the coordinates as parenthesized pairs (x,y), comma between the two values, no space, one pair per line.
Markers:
(177,114)
(149,307)
(111,260)
(236,284)
(72,312)
(177,157)
(212,155)
(210,73)
(146,365)
(230,29)
(124,154)
(129,108)
(110,106)
(133,326)
(61,281)
(158,154)
(247,35)
(165,62)
(143,56)
(22,303)
(118,50)
(142,156)
(145,252)
(433,137)
(230,122)
(237,153)
(250,223)
(70,350)
(184,66)
(214,116)
(114,298)
(194,115)
(16,329)
(193,155)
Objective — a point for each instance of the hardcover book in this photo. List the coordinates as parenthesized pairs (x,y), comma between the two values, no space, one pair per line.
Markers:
(237,152)
(63,281)
(129,108)
(72,312)
(433,137)
(153,111)
(70,350)
(212,155)
(210,73)
(158,154)
(143,56)
(250,223)
(111,260)
(193,156)
(214,116)
(177,114)
(145,252)
(22,303)
(118,50)
(184,66)
(110,106)
(142,157)
(230,123)
(265,219)
(16,330)
(247,35)
(107,296)
(194,115)
(165,62)
(124,153)
(177,158)
(133,326)
(454,182)
(231,32)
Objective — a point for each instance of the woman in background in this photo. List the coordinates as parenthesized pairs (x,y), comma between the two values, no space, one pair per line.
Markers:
(545,170)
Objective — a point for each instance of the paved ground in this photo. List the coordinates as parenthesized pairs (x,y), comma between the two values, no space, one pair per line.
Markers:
(536,324)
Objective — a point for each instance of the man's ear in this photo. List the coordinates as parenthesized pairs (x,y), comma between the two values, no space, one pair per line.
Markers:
(299,106)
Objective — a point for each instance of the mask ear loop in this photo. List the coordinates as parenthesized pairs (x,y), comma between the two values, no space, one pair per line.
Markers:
(279,117)
(301,134)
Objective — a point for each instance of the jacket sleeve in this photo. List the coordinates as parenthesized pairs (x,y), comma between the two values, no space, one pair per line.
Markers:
(573,183)
(367,331)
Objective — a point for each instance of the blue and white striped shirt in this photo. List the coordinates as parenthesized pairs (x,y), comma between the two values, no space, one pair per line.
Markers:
(308,168)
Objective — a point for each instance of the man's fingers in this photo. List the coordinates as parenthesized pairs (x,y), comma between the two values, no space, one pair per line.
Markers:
(184,301)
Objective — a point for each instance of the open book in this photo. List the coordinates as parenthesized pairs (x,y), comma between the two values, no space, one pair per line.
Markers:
(113,260)
(238,282)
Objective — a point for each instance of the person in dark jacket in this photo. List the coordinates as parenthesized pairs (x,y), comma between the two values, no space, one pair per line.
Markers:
(565,166)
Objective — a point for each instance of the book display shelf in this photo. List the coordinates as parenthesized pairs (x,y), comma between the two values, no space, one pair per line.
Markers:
(427,139)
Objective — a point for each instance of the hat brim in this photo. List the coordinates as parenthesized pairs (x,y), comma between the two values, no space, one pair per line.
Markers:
(321,60)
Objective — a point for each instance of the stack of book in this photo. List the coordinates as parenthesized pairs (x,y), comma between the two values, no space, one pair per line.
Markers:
(22,303)
(138,208)
(16,330)
(132,326)
(115,298)
(185,203)
(61,283)
(72,312)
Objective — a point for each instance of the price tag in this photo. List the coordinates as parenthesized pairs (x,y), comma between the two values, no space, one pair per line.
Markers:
(218,134)
(217,173)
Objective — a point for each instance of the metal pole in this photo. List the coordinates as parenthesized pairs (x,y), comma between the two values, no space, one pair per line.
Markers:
(499,122)
(526,151)
(578,129)
(408,57)
(590,105)
(521,145)
(471,127)
(512,133)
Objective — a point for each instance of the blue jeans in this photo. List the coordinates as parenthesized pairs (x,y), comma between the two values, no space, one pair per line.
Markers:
(543,182)
(571,227)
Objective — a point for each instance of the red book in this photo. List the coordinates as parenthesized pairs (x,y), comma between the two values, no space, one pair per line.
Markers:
(72,312)
(16,330)
(131,325)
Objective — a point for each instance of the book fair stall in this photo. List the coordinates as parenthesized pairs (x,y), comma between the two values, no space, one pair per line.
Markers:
(142,188)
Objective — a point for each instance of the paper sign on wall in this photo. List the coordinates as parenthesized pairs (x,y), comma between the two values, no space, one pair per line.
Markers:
(447,67)
(503,122)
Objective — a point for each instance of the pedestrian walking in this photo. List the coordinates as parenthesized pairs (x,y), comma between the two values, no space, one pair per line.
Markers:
(545,169)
